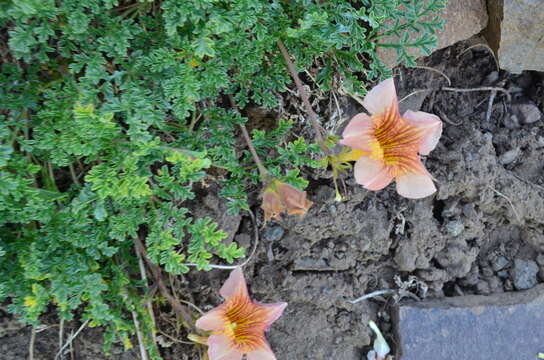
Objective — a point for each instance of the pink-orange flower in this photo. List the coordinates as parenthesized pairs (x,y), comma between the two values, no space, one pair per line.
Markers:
(238,325)
(388,145)
(279,197)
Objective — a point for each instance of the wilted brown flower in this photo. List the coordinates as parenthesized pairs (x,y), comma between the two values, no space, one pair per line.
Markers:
(279,197)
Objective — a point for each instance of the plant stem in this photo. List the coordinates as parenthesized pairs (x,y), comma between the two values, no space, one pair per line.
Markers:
(258,162)
(31,345)
(157,274)
(300,88)
(148,303)
(140,337)
(181,151)
(73,174)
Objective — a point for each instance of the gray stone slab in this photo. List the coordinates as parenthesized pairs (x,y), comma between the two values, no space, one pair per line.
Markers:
(521,40)
(499,327)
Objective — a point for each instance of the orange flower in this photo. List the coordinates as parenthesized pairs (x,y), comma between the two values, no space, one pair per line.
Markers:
(388,145)
(279,197)
(238,325)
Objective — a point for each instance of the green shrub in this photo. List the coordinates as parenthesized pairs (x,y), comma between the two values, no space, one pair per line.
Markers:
(111,111)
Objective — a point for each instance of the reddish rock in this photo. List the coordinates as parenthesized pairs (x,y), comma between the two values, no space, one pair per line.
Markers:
(503,326)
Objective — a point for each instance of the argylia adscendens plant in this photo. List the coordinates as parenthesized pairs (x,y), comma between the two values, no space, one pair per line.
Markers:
(114,117)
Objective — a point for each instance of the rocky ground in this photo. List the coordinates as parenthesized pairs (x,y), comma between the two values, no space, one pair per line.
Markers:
(481,233)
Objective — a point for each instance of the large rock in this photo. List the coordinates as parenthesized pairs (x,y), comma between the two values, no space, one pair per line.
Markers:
(464,18)
(520,36)
(502,326)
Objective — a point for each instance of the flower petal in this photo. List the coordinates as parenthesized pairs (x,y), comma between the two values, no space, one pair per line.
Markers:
(294,200)
(213,320)
(274,312)
(220,348)
(261,354)
(235,285)
(381,97)
(430,124)
(358,133)
(271,205)
(372,174)
(415,185)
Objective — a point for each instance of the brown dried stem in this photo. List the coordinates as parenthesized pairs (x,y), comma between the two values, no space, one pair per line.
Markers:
(300,88)
(148,304)
(258,162)
(181,310)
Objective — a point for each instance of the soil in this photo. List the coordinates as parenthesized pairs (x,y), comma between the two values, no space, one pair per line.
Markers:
(481,233)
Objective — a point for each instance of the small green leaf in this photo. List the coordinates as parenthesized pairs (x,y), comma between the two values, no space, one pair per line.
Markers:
(100,212)
(204,46)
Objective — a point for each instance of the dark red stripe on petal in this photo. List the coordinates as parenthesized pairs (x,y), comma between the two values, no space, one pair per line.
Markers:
(397,142)
(245,323)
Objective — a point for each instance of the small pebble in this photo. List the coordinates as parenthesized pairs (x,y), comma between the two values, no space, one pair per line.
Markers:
(524,274)
(468,210)
(529,113)
(499,263)
(509,156)
(508,286)
(455,228)
(273,233)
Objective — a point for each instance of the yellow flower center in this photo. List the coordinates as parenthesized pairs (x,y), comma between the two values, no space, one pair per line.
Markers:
(376,151)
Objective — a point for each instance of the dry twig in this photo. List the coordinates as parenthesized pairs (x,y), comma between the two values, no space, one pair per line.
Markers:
(415,92)
(148,304)
(71,338)
(484,46)
(139,335)
(61,333)
(481,88)
(302,93)
(157,274)
(262,170)
(490,106)
(444,117)
(507,199)
(373,294)
(435,70)
(31,344)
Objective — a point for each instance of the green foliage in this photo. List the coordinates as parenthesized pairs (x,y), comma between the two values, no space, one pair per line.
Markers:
(402,18)
(113,113)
